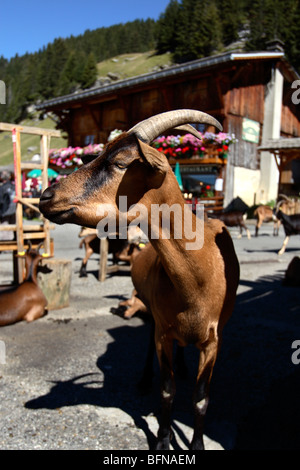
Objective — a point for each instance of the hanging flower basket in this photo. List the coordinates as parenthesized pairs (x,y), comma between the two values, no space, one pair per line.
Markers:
(178,147)
(187,146)
(71,156)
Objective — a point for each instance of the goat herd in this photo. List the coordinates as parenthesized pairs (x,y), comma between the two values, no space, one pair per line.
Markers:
(190,294)
(284,214)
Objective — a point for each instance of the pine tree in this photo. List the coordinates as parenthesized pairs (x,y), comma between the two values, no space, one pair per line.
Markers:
(166,28)
(67,80)
(232,15)
(89,73)
(198,31)
(274,19)
(263,24)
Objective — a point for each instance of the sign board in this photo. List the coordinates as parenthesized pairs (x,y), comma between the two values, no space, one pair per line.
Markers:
(198,169)
(251,131)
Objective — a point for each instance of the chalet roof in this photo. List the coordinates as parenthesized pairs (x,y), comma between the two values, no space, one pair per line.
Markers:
(281,144)
(200,64)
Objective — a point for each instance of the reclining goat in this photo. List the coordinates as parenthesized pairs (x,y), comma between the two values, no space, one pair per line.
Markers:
(26,301)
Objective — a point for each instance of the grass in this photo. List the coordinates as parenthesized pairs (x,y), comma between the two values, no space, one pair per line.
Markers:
(130,65)
(28,141)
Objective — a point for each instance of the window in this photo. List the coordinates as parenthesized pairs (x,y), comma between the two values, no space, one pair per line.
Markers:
(89,139)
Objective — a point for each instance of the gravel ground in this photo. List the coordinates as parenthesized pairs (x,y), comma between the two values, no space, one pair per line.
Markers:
(69,379)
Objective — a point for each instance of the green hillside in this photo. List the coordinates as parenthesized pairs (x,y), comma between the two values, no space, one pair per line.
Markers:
(129,65)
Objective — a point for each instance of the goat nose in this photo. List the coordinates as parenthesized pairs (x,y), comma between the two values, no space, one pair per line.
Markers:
(47,194)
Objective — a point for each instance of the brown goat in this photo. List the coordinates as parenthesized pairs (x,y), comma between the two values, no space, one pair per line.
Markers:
(122,250)
(266,214)
(232,219)
(26,301)
(190,290)
(91,243)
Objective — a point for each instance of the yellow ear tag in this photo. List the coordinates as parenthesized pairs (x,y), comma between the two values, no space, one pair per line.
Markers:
(45,255)
(21,253)
(142,245)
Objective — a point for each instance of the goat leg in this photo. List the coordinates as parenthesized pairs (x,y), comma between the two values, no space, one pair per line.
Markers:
(200,397)
(82,271)
(282,250)
(88,254)
(167,391)
(145,383)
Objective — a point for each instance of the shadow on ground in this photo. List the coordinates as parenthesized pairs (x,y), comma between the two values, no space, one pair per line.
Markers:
(255,388)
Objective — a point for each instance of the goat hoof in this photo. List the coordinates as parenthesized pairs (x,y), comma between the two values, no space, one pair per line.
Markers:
(197,445)
(120,311)
(162,446)
(163,443)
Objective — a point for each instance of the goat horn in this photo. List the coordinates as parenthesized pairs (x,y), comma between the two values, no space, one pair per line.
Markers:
(188,129)
(29,245)
(39,246)
(154,126)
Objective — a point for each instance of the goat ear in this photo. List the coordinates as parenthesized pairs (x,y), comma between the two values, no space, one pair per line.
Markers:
(157,162)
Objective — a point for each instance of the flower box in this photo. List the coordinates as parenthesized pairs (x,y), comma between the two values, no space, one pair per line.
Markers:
(212,148)
(215,146)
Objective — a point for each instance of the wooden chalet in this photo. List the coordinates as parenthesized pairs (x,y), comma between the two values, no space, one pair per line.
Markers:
(249,93)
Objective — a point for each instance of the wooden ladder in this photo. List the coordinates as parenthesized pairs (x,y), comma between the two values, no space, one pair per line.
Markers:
(33,232)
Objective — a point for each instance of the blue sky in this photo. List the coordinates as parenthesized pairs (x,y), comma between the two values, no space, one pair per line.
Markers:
(28,25)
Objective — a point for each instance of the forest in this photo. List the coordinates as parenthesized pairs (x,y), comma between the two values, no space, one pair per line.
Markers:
(189,29)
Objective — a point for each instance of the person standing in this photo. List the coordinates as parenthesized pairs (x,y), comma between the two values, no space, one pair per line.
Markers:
(7,204)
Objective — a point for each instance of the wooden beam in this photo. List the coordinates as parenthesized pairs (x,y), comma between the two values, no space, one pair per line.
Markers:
(45,147)
(4,126)
(26,228)
(26,202)
(32,236)
(103,259)
(31,166)
(8,227)
(19,275)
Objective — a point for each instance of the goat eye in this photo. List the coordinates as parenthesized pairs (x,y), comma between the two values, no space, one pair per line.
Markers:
(121,166)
